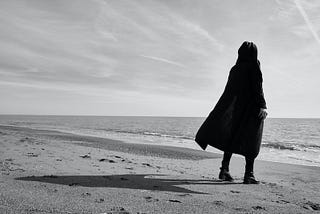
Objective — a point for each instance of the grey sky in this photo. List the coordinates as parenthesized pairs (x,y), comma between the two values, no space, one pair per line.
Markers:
(144,57)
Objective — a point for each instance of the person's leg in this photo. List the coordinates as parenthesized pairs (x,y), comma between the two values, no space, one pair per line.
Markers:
(224,169)
(248,175)
(226,160)
(249,165)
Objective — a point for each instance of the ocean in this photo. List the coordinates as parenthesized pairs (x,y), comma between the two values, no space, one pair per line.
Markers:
(285,140)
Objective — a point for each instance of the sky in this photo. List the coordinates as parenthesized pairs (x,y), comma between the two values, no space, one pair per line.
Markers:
(154,57)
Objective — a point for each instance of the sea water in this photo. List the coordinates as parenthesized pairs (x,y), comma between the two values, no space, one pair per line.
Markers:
(286,140)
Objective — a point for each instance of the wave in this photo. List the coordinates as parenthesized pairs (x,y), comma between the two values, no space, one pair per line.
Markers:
(274,145)
(280,146)
(148,133)
(290,146)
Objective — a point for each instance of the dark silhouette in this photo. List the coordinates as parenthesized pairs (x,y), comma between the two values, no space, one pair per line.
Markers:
(235,125)
(130,181)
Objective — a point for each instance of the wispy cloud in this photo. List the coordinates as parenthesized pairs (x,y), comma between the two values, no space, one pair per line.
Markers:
(164,60)
(307,20)
(139,51)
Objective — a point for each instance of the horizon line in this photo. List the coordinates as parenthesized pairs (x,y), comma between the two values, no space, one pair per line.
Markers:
(92,115)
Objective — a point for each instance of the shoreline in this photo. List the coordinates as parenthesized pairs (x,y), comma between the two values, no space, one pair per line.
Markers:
(53,172)
(117,145)
(136,148)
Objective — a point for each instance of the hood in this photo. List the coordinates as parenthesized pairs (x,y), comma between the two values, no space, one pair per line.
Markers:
(248,52)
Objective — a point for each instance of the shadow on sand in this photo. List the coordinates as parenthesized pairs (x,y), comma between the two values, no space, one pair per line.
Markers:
(130,181)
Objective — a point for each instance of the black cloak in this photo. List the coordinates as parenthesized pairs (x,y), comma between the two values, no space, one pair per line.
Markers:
(234,125)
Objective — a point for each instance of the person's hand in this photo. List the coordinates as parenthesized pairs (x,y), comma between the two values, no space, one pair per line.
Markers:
(263,113)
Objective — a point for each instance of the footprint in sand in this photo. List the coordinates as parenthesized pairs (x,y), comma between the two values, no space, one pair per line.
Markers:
(258,208)
(106,160)
(240,209)
(85,156)
(4,168)
(311,206)
(24,139)
(117,210)
(150,199)
(86,194)
(10,166)
(122,159)
(30,141)
(100,200)
(279,195)
(269,184)
(218,203)
(31,154)
(174,201)
(282,202)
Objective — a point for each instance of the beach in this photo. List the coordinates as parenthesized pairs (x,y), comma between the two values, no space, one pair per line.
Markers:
(45,171)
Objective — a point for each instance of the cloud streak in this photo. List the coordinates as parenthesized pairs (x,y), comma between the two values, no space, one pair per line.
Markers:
(65,54)
(307,20)
(164,61)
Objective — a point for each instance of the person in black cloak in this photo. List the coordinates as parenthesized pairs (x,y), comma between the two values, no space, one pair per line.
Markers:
(235,125)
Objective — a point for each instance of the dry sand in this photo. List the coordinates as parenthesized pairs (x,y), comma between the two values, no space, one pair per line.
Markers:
(52,172)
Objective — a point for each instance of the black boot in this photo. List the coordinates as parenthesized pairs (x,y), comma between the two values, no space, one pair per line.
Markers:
(224,170)
(225,175)
(248,175)
(250,179)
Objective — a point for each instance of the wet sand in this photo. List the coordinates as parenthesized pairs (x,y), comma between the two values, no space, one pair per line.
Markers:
(53,172)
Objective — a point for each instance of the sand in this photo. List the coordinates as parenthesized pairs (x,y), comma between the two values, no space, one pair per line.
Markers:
(53,172)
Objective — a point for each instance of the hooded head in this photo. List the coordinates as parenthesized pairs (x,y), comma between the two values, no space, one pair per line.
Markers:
(248,52)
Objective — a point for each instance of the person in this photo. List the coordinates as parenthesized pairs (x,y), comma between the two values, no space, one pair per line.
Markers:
(235,125)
